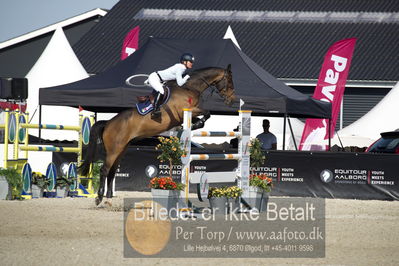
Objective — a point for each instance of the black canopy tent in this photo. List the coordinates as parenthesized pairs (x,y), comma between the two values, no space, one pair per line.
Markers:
(262,93)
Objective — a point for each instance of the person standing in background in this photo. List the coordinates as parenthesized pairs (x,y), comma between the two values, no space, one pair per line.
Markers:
(268,139)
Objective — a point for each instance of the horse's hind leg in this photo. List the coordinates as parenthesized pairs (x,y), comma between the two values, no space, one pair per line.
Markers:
(103,174)
(108,171)
(110,179)
(111,174)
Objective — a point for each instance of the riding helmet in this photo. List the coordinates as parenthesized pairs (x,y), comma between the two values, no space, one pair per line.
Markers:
(187,57)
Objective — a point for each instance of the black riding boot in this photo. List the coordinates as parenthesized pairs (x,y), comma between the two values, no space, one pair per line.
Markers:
(157,100)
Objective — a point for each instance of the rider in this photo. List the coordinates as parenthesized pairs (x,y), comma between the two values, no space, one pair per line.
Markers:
(175,72)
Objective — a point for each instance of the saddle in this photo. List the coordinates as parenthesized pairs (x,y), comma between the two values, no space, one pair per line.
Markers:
(145,104)
(151,97)
(142,99)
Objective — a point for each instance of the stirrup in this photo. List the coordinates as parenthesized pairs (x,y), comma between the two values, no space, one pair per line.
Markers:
(156,113)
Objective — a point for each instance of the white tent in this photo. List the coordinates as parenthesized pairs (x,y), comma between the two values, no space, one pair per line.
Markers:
(230,35)
(383,117)
(57,65)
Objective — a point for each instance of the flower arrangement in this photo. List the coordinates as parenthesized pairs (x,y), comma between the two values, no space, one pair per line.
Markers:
(233,192)
(171,151)
(14,181)
(40,180)
(165,183)
(261,181)
(215,192)
(257,157)
(62,182)
(228,192)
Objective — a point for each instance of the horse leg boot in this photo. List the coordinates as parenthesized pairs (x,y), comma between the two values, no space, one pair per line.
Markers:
(200,122)
(157,102)
(103,176)
(110,181)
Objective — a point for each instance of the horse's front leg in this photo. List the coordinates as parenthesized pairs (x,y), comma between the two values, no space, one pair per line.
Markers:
(200,122)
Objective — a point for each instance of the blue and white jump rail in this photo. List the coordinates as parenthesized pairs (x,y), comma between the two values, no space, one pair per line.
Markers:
(241,175)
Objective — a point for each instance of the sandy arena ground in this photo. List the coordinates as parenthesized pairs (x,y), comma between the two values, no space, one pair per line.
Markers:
(71,231)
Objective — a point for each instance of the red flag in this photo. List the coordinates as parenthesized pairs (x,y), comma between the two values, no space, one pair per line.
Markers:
(330,88)
(131,43)
(80,108)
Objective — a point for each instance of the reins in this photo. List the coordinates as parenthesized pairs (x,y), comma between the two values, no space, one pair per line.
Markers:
(212,86)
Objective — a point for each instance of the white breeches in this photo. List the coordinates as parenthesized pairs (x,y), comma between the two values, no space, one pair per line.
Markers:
(155,82)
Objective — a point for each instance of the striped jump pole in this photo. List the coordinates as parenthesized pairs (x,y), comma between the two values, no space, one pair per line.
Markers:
(205,157)
(242,156)
(216,134)
(26,147)
(49,126)
(50,148)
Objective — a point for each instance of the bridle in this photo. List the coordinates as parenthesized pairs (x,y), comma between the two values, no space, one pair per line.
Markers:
(214,84)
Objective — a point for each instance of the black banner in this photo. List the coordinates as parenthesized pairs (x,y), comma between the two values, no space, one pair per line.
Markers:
(333,175)
(303,174)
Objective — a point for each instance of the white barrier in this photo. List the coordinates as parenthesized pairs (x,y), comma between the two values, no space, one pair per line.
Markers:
(243,155)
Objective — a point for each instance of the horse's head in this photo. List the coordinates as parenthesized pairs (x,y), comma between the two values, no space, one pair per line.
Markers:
(214,77)
(225,86)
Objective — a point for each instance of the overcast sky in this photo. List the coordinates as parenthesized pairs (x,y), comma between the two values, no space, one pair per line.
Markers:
(18,17)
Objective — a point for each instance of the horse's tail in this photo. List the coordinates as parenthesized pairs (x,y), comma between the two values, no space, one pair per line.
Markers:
(91,152)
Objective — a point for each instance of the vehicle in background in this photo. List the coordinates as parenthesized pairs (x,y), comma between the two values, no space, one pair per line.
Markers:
(388,143)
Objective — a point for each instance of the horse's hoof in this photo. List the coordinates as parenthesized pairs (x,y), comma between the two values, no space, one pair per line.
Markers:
(108,203)
(98,201)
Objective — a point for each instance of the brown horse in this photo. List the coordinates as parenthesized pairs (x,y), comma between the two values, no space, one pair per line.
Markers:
(128,125)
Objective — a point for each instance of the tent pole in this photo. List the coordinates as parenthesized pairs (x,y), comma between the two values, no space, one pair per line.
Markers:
(342,145)
(341,113)
(292,133)
(284,129)
(329,134)
(40,122)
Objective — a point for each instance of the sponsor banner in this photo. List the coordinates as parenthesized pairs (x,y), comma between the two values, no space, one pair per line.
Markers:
(139,165)
(333,175)
(303,174)
(131,43)
(330,88)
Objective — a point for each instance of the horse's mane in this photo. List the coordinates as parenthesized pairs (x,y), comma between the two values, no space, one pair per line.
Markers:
(202,71)
(197,75)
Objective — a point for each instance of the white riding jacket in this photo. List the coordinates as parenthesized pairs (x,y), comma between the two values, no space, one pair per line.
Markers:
(174,72)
